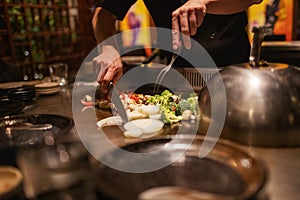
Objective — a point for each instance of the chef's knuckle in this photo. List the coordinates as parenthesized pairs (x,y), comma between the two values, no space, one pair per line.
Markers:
(175,13)
(184,29)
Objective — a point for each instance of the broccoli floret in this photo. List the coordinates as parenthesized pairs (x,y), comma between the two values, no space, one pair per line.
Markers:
(165,118)
(193,102)
(172,106)
(169,117)
(183,105)
(164,99)
(166,93)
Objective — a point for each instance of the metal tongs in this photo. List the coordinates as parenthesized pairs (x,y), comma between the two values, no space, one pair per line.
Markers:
(115,99)
(165,70)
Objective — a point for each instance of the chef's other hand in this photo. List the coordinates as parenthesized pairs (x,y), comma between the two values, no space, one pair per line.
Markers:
(109,65)
(186,19)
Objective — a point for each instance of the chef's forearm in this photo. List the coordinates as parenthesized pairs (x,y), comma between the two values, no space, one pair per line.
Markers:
(228,6)
(104,24)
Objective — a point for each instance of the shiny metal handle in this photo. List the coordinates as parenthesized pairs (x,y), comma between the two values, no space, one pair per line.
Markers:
(33,127)
(27,127)
(258,37)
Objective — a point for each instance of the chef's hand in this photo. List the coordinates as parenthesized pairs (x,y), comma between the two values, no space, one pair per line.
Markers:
(186,19)
(110,65)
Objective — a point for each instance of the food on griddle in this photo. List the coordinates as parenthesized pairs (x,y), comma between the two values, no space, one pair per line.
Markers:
(103,104)
(167,107)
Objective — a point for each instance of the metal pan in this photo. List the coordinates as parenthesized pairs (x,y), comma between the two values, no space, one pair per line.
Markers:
(27,130)
(21,131)
(225,173)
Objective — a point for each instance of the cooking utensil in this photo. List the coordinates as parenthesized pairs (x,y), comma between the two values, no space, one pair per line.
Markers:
(12,141)
(149,59)
(226,172)
(29,127)
(262,100)
(259,34)
(28,130)
(115,98)
(165,70)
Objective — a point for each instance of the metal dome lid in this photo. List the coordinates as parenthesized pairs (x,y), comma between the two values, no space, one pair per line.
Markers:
(262,101)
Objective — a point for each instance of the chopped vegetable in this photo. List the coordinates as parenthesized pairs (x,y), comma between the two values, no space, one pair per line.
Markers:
(173,106)
(169,117)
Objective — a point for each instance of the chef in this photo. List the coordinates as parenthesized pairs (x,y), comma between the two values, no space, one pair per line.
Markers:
(218,25)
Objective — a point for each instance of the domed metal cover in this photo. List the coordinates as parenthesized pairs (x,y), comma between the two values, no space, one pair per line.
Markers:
(263,105)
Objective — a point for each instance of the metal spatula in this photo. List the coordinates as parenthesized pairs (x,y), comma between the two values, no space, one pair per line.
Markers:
(115,99)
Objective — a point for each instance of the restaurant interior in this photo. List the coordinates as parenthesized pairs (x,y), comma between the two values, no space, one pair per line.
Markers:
(210,133)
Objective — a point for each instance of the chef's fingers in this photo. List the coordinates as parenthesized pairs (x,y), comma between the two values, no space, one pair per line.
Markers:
(184,26)
(99,67)
(192,22)
(200,13)
(117,77)
(175,31)
(100,77)
(103,70)
(113,73)
(106,80)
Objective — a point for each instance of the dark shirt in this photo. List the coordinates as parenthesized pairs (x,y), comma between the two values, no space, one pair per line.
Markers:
(224,37)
